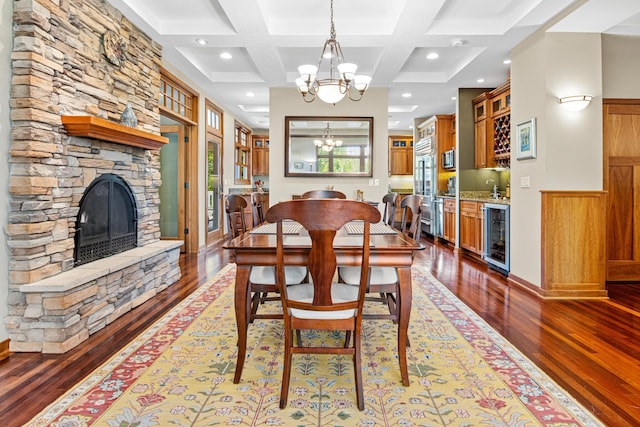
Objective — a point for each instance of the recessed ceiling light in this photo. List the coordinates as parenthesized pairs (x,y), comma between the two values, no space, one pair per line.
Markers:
(506,61)
(453,98)
(458,42)
(251,94)
(406,95)
(480,80)
(226,55)
(433,55)
(201,42)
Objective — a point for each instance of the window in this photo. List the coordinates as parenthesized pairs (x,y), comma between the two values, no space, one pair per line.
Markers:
(241,154)
(344,159)
(175,98)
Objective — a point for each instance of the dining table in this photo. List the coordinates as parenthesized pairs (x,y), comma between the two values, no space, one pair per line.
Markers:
(389,248)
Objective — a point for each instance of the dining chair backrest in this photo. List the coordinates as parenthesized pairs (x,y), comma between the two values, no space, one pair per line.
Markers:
(258,207)
(235,206)
(322,228)
(323,194)
(412,216)
(390,201)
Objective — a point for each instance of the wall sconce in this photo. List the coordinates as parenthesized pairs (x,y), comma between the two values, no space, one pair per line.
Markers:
(575,102)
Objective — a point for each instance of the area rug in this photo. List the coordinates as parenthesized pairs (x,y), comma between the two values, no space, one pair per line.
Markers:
(180,373)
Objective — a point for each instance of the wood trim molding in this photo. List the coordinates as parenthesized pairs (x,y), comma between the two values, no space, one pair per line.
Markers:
(518,281)
(4,349)
(95,127)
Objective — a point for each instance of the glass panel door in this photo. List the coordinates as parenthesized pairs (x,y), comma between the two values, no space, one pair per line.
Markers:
(172,197)
(214,190)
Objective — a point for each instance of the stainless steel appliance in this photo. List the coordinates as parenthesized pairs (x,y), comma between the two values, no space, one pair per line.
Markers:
(449,159)
(496,234)
(437,225)
(425,180)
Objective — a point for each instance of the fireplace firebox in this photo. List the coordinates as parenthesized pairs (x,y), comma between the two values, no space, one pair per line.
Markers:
(107,222)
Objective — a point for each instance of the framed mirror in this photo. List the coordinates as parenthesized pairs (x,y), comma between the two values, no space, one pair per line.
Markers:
(328,146)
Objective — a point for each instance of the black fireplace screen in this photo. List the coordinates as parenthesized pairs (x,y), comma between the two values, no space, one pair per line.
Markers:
(107,221)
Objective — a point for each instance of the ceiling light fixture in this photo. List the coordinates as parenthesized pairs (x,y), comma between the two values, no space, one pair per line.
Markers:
(480,80)
(406,95)
(250,94)
(342,75)
(506,62)
(201,42)
(433,55)
(575,102)
(458,42)
(327,142)
(226,55)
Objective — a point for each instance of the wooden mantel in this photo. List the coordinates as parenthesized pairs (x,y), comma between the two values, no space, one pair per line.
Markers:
(95,127)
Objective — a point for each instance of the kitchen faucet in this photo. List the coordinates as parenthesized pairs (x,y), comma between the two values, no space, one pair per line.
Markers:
(495,194)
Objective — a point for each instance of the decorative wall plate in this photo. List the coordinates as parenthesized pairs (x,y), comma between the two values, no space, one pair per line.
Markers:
(114,48)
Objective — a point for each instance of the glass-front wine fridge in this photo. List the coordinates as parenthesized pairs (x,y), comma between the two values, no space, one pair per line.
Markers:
(497,236)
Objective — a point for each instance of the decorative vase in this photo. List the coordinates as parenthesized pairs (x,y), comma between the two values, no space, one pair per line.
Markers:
(128,118)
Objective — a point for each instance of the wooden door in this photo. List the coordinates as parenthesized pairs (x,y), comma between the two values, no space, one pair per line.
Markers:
(621,137)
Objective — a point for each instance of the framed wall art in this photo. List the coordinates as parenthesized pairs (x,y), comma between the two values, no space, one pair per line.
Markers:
(526,139)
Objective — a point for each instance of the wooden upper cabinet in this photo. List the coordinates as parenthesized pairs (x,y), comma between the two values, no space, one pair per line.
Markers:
(400,155)
(501,100)
(260,155)
(492,114)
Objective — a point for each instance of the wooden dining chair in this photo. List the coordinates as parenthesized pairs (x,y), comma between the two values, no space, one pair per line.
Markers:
(258,207)
(234,206)
(262,281)
(323,194)
(390,201)
(384,280)
(322,304)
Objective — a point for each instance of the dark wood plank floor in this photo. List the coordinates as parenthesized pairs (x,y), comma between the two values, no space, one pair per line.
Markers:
(591,348)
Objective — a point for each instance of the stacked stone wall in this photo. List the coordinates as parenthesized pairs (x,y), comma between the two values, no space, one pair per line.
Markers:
(60,68)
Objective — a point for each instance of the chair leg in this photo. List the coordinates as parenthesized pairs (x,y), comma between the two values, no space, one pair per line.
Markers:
(286,371)
(357,370)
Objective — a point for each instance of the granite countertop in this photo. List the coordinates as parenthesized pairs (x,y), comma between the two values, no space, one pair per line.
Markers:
(478,196)
(402,190)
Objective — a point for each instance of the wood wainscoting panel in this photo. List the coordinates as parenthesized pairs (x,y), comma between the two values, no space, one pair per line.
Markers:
(4,349)
(574,244)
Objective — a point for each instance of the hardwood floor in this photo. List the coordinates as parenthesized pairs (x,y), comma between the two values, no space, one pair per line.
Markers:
(591,348)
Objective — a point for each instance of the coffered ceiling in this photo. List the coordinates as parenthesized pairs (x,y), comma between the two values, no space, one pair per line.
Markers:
(388,40)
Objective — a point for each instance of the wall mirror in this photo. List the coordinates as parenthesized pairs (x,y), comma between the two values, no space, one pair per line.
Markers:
(328,146)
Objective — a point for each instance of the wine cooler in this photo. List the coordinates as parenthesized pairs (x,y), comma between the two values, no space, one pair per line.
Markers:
(497,236)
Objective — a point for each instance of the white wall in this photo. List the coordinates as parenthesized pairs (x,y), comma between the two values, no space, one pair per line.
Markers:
(6,45)
(621,66)
(569,144)
(288,102)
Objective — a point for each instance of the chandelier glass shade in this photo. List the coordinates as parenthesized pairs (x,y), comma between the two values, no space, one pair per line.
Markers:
(342,78)
(327,142)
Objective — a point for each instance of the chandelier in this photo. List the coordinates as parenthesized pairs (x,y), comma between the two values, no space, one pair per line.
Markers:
(328,141)
(342,75)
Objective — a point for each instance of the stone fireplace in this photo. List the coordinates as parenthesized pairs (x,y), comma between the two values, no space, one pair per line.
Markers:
(66,102)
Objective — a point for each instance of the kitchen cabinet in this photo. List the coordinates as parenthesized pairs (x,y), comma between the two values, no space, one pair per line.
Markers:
(472,226)
(400,155)
(492,116)
(449,220)
(483,145)
(260,155)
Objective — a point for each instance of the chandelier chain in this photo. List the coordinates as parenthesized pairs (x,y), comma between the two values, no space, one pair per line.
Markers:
(332,31)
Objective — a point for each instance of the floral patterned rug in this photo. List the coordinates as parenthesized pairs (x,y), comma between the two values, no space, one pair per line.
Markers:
(180,372)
